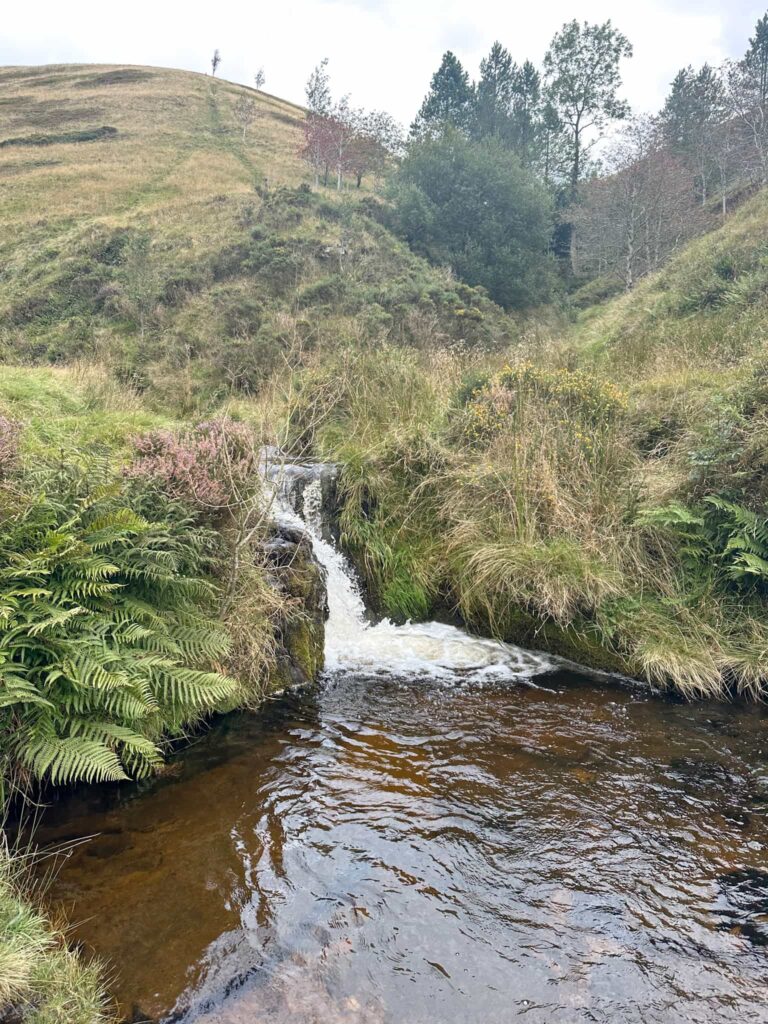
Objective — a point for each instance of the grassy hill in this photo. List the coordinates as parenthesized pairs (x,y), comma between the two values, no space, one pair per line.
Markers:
(145,230)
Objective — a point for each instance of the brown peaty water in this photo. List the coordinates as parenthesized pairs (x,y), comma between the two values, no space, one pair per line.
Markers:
(395,852)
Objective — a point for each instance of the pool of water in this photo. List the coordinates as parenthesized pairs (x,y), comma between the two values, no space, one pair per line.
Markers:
(406,850)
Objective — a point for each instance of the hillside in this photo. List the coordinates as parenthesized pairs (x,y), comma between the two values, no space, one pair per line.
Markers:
(145,229)
(256,435)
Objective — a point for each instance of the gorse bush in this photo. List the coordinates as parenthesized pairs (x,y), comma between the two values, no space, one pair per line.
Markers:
(582,397)
(106,646)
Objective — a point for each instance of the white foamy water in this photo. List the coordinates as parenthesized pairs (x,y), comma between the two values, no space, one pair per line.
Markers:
(432,649)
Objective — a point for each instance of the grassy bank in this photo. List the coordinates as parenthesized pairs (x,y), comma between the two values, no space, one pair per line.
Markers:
(41,980)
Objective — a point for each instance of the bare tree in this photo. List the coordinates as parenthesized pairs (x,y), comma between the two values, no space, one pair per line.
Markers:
(634,217)
(215,61)
(748,106)
(246,112)
(259,79)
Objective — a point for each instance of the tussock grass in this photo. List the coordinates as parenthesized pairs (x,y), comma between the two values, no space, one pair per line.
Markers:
(41,980)
(533,519)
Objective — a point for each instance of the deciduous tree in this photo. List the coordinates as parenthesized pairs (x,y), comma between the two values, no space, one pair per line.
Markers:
(246,112)
(582,69)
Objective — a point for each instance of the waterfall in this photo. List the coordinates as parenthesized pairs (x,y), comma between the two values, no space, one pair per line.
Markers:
(355,645)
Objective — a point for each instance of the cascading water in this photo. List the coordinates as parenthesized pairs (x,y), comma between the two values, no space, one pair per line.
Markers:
(352,643)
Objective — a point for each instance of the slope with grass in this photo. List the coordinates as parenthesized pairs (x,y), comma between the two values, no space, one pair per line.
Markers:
(189,257)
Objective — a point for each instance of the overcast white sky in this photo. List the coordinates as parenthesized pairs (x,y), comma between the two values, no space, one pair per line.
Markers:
(383,52)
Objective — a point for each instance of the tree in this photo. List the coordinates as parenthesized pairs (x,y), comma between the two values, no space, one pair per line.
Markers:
(316,125)
(215,61)
(692,120)
(528,115)
(340,136)
(246,112)
(630,220)
(377,136)
(473,206)
(449,102)
(746,85)
(756,60)
(582,80)
(743,98)
(494,95)
(259,79)
(318,89)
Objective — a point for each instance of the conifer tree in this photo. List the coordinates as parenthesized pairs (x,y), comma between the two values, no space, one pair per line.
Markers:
(756,59)
(692,119)
(495,91)
(449,102)
(527,112)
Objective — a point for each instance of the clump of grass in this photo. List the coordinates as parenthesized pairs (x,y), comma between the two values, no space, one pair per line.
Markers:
(42,981)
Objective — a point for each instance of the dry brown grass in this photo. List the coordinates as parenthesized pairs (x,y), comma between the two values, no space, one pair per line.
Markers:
(177,141)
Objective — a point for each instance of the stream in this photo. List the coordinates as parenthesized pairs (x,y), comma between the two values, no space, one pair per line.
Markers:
(447,830)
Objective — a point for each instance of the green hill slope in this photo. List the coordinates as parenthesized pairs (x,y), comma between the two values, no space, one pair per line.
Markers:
(708,307)
(144,229)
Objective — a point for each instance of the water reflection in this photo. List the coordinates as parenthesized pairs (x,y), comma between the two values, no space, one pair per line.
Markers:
(395,852)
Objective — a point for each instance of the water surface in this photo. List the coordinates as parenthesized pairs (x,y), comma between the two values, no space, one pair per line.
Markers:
(406,851)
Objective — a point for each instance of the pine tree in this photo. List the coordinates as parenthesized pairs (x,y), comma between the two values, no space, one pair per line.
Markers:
(691,120)
(449,102)
(756,59)
(527,112)
(495,90)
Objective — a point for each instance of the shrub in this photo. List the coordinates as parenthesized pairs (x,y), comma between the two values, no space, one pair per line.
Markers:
(209,467)
(580,396)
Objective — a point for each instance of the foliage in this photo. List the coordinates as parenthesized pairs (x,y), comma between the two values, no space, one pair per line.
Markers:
(449,103)
(41,980)
(106,643)
(210,467)
(474,207)
(581,69)
(721,538)
(587,401)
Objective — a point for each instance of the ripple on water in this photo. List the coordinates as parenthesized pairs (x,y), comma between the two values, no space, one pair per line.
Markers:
(398,852)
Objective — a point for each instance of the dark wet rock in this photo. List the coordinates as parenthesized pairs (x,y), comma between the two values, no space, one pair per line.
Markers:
(302,581)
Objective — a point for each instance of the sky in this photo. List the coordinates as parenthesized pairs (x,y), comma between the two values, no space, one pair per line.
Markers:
(382,52)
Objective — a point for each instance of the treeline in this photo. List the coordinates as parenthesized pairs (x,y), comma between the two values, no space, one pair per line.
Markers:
(500,178)
(341,140)
(667,177)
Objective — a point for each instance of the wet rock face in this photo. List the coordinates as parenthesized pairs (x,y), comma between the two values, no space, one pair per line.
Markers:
(311,489)
(302,580)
